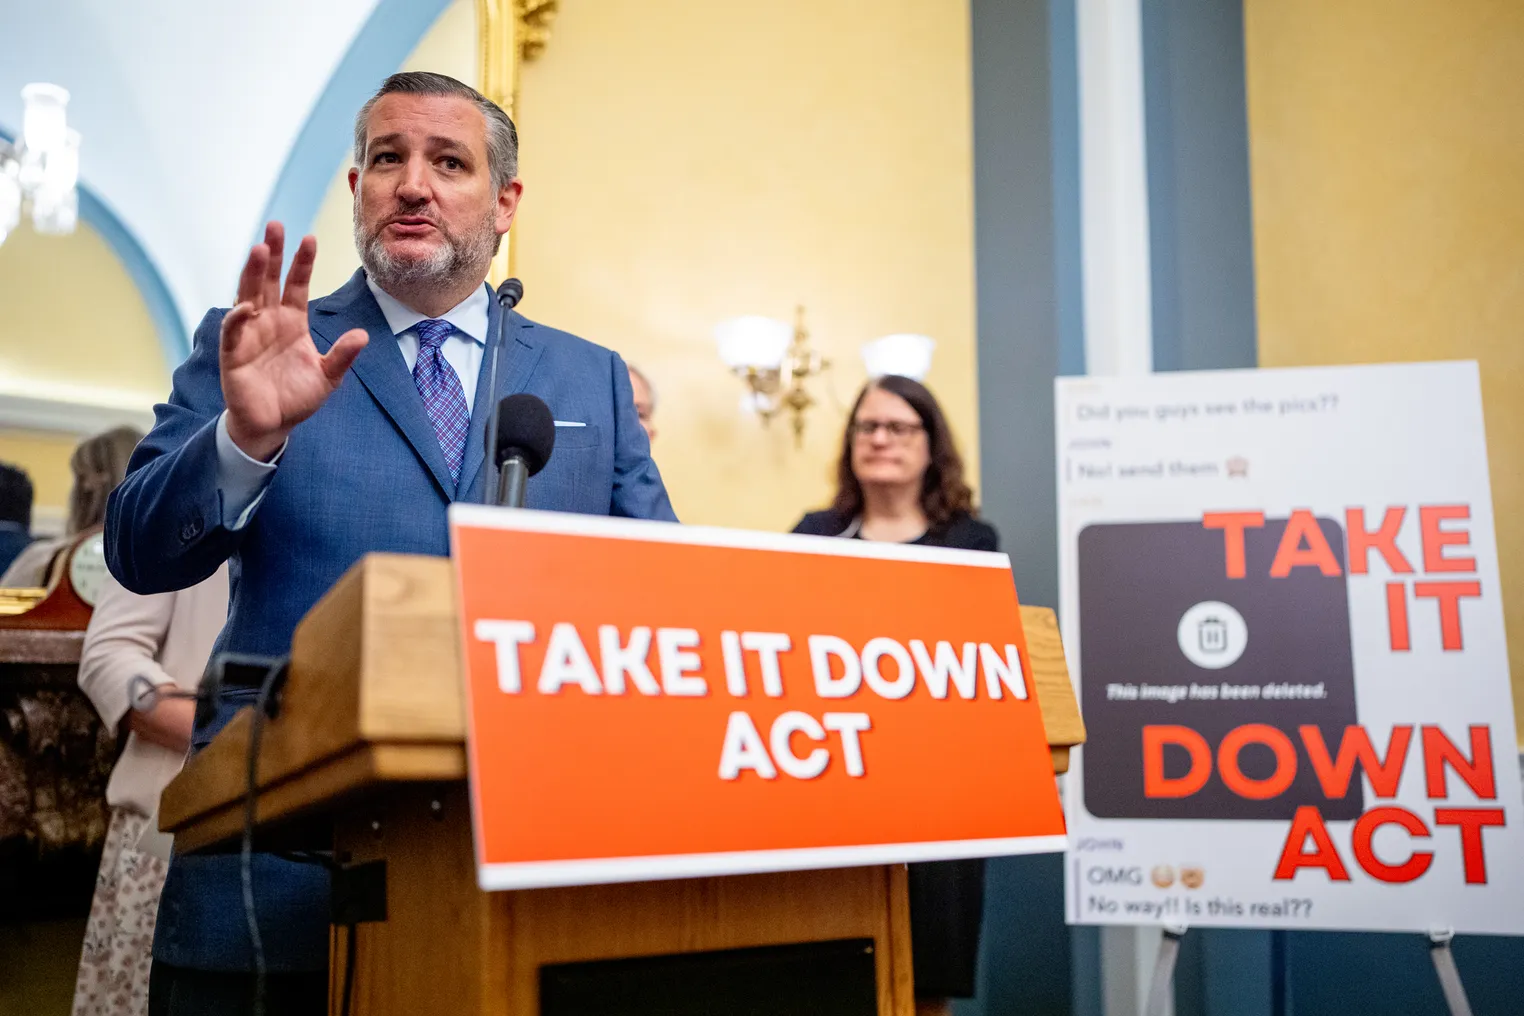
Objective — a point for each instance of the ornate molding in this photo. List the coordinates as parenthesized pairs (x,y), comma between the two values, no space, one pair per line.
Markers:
(73,414)
(535,18)
(511,33)
(495,52)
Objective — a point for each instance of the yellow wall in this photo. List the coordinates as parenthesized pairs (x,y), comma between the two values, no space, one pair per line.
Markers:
(689,162)
(45,457)
(1387,153)
(52,338)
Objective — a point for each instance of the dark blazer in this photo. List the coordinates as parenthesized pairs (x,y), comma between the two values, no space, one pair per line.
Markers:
(962,531)
(13,540)
(946,897)
(365,473)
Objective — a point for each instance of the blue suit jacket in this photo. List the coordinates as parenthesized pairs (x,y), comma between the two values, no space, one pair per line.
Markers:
(365,473)
(12,542)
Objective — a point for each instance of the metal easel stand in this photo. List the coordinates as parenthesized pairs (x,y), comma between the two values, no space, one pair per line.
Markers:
(1449,975)
(1163,984)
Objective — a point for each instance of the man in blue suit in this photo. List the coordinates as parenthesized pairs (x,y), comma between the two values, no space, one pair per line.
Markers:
(268,455)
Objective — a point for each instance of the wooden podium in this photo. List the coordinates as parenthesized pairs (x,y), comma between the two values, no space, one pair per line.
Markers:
(368,755)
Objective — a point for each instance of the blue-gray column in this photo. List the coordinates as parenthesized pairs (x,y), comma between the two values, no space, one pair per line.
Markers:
(1026,229)
(1202,251)
(1200,221)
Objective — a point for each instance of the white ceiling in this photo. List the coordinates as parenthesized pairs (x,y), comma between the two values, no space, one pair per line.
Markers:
(188,110)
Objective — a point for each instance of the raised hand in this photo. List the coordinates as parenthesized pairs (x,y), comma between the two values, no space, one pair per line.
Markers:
(272,375)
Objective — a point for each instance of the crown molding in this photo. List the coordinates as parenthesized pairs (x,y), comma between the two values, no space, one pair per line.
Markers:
(81,417)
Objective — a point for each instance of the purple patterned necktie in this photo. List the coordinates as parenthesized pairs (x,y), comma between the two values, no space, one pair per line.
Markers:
(443,396)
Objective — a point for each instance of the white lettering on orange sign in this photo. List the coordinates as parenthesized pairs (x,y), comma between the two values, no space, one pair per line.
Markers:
(744,750)
(838,668)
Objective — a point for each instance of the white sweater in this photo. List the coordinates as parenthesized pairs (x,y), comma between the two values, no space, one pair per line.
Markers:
(167,638)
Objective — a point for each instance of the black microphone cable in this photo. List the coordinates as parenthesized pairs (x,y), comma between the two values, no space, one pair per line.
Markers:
(143,694)
(246,852)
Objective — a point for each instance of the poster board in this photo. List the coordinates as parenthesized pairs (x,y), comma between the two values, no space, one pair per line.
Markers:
(1280,598)
(648,700)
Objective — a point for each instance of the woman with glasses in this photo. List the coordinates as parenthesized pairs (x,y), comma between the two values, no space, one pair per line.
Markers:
(900,480)
(900,477)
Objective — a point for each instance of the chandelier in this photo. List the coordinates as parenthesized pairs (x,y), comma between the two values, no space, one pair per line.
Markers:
(39,172)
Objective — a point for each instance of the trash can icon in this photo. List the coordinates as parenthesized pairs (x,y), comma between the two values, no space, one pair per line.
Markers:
(1212,635)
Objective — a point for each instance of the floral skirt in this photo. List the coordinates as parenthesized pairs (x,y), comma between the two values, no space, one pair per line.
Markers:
(118,950)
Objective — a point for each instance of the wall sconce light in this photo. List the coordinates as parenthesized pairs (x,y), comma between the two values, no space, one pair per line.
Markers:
(903,354)
(774,360)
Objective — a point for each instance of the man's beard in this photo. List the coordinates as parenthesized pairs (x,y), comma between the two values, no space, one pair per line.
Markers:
(454,261)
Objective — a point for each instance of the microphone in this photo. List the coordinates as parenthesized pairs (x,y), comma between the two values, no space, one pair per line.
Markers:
(510,293)
(508,296)
(524,443)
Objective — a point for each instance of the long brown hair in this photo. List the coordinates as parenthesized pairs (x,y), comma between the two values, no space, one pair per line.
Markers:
(943,490)
(99,463)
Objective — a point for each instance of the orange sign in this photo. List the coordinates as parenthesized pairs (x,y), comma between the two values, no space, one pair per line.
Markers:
(648,700)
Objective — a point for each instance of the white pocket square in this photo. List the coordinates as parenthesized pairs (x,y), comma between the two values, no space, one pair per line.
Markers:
(569,423)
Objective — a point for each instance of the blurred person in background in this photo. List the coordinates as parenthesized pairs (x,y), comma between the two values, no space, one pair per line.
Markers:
(98,465)
(900,480)
(136,649)
(15,513)
(900,477)
(645,401)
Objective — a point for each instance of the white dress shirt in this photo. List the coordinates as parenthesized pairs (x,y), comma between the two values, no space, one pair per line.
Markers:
(462,350)
(242,479)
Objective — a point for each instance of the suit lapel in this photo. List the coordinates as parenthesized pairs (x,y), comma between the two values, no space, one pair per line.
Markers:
(381,369)
(521,351)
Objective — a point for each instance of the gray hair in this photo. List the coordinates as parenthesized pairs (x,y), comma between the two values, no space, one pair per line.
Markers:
(502,136)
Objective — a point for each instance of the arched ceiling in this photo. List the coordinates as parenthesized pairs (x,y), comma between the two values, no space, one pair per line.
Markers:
(189,114)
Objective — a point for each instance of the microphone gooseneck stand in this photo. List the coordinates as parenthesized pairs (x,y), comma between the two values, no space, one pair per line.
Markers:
(508,296)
